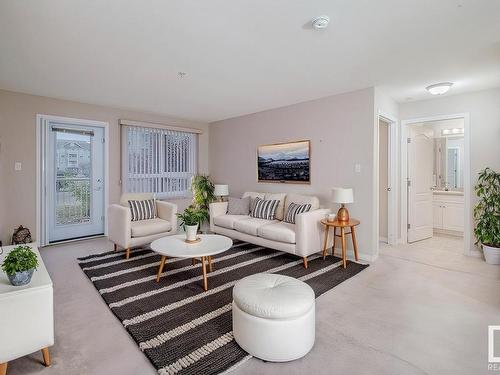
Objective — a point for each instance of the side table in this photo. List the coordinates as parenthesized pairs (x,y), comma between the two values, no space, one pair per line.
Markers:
(342,225)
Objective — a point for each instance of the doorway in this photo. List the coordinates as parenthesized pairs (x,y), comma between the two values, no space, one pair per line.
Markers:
(386,179)
(72,179)
(435,183)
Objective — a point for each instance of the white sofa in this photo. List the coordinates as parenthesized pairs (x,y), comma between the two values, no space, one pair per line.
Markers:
(302,238)
(124,232)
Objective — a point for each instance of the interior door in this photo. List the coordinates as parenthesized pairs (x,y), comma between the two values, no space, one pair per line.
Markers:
(420,170)
(74,181)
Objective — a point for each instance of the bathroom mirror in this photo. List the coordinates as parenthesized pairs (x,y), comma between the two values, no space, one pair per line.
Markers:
(448,168)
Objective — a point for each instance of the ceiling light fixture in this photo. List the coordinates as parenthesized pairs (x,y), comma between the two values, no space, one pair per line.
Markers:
(320,22)
(439,88)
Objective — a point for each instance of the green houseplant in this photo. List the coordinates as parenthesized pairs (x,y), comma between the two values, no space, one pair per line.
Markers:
(487,214)
(190,219)
(19,265)
(203,194)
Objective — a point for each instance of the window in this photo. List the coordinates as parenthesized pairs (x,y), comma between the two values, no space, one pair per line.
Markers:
(159,161)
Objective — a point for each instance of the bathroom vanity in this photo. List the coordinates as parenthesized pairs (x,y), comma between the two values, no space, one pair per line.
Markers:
(448,212)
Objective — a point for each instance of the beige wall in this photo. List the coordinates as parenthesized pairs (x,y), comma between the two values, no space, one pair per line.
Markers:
(383,178)
(484,110)
(18,141)
(341,130)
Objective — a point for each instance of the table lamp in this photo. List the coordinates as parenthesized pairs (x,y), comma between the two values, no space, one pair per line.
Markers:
(342,196)
(221,191)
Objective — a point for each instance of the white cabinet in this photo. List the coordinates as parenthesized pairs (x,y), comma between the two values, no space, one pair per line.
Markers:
(448,212)
(26,314)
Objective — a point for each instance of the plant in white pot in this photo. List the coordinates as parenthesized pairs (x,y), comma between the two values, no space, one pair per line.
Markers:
(190,220)
(487,214)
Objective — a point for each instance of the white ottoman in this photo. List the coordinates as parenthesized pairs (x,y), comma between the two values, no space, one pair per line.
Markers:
(274,317)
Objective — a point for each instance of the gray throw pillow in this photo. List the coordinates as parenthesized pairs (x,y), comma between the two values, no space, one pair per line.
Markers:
(238,206)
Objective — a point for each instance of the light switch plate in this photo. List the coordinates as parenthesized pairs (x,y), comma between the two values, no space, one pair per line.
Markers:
(357,167)
(18,166)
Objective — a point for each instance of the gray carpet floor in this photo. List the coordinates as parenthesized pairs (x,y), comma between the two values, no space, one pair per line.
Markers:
(416,310)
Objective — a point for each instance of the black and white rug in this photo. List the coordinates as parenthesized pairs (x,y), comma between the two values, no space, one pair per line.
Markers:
(181,328)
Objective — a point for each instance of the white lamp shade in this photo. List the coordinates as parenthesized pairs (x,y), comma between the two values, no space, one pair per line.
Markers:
(342,195)
(221,190)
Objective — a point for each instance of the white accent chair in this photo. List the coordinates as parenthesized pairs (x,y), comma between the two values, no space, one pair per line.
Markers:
(274,317)
(124,232)
(303,238)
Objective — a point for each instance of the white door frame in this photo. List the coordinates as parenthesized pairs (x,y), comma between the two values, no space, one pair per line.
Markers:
(392,173)
(466,173)
(41,124)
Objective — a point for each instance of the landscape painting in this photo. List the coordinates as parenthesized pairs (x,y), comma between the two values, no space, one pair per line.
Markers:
(284,162)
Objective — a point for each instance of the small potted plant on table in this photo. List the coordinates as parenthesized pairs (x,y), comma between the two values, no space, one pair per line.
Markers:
(487,215)
(190,220)
(19,265)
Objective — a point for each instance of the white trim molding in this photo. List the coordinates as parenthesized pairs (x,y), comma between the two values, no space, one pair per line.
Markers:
(466,173)
(41,141)
(392,213)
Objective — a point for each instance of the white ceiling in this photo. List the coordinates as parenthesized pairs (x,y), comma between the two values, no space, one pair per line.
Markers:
(243,56)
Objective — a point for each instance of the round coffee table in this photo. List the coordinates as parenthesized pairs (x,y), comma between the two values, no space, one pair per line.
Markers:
(176,247)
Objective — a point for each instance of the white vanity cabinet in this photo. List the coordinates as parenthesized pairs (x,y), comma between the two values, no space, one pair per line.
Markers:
(448,212)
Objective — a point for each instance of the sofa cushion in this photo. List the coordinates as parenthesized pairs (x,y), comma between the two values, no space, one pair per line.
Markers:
(281,232)
(295,209)
(227,221)
(251,225)
(143,228)
(253,195)
(265,209)
(280,211)
(238,206)
(302,199)
(142,210)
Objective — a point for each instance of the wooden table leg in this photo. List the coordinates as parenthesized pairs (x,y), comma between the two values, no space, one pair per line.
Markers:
(194,261)
(160,270)
(209,264)
(204,269)
(3,368)
(326,241)
(115,247)
(334,240)
(354,243)
(46,356)
(344,251)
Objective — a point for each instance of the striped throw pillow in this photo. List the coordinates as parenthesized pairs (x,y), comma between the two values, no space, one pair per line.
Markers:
(264,209)
(143,210)
(293,210)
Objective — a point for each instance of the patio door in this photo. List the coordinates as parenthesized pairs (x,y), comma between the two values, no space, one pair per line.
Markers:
(74,180)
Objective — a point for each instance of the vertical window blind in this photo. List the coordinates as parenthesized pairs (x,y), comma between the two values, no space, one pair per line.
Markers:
(160,161)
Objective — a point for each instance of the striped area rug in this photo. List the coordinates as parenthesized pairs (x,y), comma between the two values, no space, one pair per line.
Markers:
(178,326)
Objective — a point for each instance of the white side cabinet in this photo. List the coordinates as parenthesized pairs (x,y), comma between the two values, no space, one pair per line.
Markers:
(26,315)
(448,212)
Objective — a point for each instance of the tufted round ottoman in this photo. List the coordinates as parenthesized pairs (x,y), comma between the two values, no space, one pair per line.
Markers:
(274,316)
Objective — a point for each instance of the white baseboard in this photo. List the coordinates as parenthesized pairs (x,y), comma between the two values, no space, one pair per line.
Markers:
(350,256)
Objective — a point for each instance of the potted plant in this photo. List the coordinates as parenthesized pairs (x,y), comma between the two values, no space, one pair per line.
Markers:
(19,265)
(203,194)
(190,220)
(487,215)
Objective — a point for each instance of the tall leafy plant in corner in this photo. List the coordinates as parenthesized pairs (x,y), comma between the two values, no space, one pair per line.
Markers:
(487,210)
(203,194)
